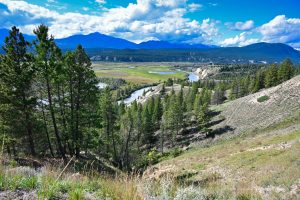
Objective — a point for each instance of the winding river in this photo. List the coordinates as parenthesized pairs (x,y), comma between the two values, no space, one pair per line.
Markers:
(193,77)
(138,93)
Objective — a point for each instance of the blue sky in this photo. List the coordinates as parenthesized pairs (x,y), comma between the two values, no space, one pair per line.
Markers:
(217,22)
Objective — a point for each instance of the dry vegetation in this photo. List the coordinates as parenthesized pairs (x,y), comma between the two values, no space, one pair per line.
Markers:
(263,164)
(247,113)
(260,161)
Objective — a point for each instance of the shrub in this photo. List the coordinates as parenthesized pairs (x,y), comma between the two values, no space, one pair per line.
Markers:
(189,193)
(263,98)
(76,194)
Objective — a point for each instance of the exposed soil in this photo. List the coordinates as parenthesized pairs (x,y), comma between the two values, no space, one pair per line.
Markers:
(247,114)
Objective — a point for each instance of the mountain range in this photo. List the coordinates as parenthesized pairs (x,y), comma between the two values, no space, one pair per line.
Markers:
(100,45)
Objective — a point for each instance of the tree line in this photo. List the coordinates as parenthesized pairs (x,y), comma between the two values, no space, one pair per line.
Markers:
(266,77)
(47,98)
(50,106)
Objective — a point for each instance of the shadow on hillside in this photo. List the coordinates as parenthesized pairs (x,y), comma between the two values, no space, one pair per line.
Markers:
(214,113)
(215,122)
(220,131)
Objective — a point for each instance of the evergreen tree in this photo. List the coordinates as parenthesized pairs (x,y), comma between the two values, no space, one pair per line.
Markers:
(204,118)
(259,81)
(83,94)
(108,119)
(271,78)
(17,74)
(286,70)
(157,113)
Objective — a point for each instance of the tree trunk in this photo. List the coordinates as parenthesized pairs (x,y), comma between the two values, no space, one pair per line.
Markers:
(77,148)
(62,113)
(28,126)
(46,130)
(72,113)
(60,147)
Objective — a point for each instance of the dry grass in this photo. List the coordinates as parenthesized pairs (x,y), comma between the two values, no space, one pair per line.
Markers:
(264,164)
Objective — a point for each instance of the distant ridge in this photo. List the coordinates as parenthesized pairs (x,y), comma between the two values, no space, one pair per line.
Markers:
(270,52)
(103,47)
(254,53)
(167,45)
(101,41)
(94,40)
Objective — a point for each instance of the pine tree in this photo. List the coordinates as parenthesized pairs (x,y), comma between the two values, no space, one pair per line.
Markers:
(286,70)
(147,125)
(127,126)
(17,75)
(48,58)
(108,118)
(204,118)
(271,78)
(83,94)
(157,113)
(259,81)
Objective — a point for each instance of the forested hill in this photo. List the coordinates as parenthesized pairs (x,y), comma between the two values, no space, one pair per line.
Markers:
(255,53)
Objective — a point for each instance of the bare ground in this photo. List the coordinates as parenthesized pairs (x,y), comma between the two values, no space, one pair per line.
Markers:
(258,152)
(247,114)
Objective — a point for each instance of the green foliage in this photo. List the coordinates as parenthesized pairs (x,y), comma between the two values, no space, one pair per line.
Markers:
(269,76)
(263,98)
(286,70)
(76,194)
(169,82)
(50,106)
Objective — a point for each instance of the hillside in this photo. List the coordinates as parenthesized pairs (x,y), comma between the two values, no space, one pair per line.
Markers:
(168,45)
(247,114)
(258,159)
(255,53)
(269,52)
(94,40)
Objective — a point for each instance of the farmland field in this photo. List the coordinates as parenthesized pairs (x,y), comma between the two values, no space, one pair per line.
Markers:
(140,73)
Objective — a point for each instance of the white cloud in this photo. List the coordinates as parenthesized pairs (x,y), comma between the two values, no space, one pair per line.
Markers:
(159,19)
(213,4)
(283,30)
(194,7)
(241,26)
(239,40)
(85,8)
(100,1)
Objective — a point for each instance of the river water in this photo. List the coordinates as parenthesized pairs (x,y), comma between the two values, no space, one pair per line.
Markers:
(102,85)
(136,94)
(193,77)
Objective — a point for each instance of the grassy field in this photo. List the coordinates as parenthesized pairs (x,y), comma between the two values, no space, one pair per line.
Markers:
(137,72)
(260,165)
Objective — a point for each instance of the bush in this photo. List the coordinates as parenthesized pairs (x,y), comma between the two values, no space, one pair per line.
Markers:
(76,194)
(263,98)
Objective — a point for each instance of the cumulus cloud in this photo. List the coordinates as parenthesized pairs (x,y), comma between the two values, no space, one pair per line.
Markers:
(282,29)
(194,7)
(239,40)
(213,4)
(241,26)
(85,8)
(100,1)
(157,19)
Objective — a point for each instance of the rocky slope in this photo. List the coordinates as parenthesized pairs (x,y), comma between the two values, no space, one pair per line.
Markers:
(248,114)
